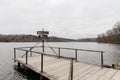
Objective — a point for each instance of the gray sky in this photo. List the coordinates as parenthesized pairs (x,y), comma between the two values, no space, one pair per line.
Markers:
(63,18)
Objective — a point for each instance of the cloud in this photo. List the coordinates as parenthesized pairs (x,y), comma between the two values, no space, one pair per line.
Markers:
(65,18)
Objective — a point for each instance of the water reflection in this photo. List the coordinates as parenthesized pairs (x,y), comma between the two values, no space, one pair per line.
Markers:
(23,72)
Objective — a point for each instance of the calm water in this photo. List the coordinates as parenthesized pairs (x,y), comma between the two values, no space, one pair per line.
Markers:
(7,71)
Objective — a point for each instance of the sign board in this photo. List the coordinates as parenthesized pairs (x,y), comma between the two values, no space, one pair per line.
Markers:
(42,32)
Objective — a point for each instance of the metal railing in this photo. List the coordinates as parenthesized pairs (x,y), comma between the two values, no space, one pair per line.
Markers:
(76,52)
(59,56)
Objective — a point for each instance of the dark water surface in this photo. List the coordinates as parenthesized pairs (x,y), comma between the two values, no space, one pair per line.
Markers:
(7,71)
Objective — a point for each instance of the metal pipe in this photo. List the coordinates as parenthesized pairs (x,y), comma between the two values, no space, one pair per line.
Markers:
(59,52)
(101,59)
(76,55)
(43,47)
(42,54)
(14,54)
(41,63)
(71,69)
(77,49)
(26,57)
(68,49)
(46,54)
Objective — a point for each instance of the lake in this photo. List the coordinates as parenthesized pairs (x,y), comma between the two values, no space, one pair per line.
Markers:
(7,71)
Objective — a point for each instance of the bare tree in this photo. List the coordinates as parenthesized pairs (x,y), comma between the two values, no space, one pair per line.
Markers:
(111,36)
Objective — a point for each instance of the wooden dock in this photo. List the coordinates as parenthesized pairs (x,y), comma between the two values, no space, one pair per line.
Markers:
(58,69)
(65,68)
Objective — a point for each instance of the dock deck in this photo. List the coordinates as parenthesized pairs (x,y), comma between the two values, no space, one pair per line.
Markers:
(59,69)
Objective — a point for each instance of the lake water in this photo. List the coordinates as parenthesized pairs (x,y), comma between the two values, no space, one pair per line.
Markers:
(111,55)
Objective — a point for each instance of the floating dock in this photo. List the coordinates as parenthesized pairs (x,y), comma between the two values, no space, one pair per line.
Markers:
(62,68)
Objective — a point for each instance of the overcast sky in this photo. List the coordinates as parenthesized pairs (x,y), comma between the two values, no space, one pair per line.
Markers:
(63,18)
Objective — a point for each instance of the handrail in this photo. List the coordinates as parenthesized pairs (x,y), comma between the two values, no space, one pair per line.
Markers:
(44,53)
(59,56)
(66,48)
(76,51)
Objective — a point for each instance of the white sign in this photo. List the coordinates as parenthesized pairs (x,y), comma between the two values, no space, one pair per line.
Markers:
(43,32)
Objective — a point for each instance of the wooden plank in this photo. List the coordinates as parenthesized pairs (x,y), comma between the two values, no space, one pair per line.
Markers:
(83,74)
(116,76)
(84,77)
(82,70)
(55,66)
(107,75)
(65,74)
(58,69)
(96,75)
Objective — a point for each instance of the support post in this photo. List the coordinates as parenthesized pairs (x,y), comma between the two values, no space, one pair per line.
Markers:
(76,54)
(101,59)
(42,55)
(26,57)
(59,52)
(71,69)
(43,47)
(14,54)
(41,63)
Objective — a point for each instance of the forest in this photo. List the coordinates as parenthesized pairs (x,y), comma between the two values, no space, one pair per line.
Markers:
(31,38)
(110,36)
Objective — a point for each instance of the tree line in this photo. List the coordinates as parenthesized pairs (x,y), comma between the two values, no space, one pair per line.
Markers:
(18,38)
(110,36)
(30,38)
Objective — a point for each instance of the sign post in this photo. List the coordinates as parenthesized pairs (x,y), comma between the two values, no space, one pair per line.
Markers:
(42,35)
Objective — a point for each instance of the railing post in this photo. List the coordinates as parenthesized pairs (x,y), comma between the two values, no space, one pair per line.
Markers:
(42,55)
(71,69)
(41,63)
(59,52)
(26,57)
(14,54)
(101,59)
(76,54)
